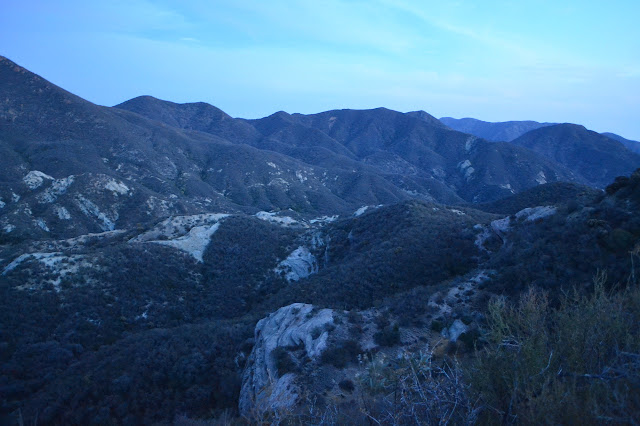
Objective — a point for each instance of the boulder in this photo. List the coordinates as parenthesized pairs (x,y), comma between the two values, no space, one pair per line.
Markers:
(294,326)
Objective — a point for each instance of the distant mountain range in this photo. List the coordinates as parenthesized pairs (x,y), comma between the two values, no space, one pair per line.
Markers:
(595,158)
(632,145)
(510,130)
(70,167)
(412,151)
(503,131)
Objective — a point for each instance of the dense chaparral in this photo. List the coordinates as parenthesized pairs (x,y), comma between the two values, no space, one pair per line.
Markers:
(167,263)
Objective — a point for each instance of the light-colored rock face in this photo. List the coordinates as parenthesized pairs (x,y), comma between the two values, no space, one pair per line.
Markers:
(274,218)
(466,168)
(360,211)
(541,178)
(455,330)
(291,326)
(363,209)
(530,214)
(534,213)
(299,264)
(35,178)
(190,234)
(57,188)
(195,242)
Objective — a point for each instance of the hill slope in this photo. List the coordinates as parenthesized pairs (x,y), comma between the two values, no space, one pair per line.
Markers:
(631,145)
(413,151)
(415,148)
(596,159)
(71,167)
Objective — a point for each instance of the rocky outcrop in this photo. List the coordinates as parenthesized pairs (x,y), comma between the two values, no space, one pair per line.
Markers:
(295,326)
(299,264)
(455,330)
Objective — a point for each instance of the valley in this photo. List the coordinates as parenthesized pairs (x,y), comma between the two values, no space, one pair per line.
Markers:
(164,263)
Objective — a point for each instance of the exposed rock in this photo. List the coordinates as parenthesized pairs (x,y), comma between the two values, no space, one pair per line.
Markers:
(455,330)
(530,214)
(288,327)
(195,242)
(534,213)
(57,188)
(35,178)
(190,234)
(118,188)
(361,211)
(280,220)
(299,264)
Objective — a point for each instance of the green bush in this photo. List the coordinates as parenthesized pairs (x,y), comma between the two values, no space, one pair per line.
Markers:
(283,361)
(341,353)
(576,363)
(470,338)
(388,336)
(346,385)
(437,326)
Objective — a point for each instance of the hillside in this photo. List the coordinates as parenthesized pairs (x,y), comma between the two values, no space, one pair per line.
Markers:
(189,303)
(569,145)
(545,194)
(166,263)
(596,159)
(414,153)
(631,145)
(71,167)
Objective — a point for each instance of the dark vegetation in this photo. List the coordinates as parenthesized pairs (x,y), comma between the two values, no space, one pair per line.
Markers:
(147,377)
(66,356)
(577,363)
(393,249)
(567,248)
(136,289)
(582,151)
(341,353)
(542,195)
(143,333)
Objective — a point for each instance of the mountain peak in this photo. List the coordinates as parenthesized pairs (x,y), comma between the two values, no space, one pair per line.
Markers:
(597,158)
(425,116)
(199,116)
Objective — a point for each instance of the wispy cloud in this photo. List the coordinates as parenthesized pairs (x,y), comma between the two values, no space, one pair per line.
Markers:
(190,40)
(335,23)
(491,40)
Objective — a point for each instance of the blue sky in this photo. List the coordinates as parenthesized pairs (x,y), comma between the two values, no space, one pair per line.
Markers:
(566,61)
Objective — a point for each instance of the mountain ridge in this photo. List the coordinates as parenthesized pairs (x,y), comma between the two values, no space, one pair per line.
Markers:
(140,255)
(597,159)
(410,148)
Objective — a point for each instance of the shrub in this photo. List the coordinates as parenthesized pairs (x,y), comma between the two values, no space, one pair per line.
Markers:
(354,317)
(341,353)
(413,389)
(437,326)
(577,363)
(346,385)
(388,336)
(470,338)
(316,332)
(283,361)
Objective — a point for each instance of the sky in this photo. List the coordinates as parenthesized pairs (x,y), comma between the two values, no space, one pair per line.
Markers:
(558,61)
